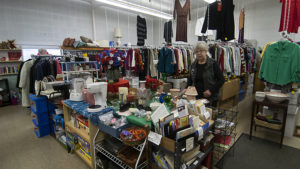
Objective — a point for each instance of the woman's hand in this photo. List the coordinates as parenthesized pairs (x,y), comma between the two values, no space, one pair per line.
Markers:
(206,93)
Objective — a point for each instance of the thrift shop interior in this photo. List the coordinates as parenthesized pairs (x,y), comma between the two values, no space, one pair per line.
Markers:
(156,84)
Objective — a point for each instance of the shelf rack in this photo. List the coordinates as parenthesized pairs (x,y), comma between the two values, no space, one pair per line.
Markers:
(177,154)
(230,116)
(116,160)
(90,137)
(8,74)
(66,65)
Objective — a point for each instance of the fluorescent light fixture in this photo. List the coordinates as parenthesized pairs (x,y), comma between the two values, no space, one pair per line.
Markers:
(137,8)
(209,1)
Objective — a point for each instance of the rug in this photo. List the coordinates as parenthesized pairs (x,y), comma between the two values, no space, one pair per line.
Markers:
(259,154)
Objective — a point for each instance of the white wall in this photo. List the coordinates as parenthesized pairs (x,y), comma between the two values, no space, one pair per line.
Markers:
(192,39)
(44,22)
(108,18)
(48,22)
(262,20)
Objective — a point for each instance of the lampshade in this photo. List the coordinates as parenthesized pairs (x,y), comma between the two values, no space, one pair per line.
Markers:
(191,91)
(118,33)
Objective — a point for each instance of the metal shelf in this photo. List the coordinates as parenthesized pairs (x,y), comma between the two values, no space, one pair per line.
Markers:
(73,71)
(138,147)
(201,158)
(8,74)
(11,61)
(115,159)
(81,62)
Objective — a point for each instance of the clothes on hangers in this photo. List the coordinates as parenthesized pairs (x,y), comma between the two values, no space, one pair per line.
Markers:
(168,32)
(175,61)
(290,16)
(234,60)
(241,26)
(280,63)
(24,83)
(199,27)
(182,13)
(40,69)
(141,30)
(220,20)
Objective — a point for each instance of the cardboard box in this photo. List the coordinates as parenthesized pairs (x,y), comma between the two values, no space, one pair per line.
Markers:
(229,89)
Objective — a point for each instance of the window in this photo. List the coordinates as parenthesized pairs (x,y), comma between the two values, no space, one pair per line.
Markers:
(28,52)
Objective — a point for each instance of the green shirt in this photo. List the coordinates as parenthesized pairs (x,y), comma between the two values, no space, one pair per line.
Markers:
(281,63)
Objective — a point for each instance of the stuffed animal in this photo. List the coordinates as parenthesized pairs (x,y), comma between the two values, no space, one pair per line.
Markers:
(11,44)
(3,45)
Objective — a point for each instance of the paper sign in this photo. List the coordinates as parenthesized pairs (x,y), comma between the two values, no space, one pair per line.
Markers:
(207,115)
(189,144)
(154,138)
(159,113)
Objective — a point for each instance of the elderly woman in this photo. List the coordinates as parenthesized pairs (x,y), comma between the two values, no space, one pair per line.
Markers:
(205,75)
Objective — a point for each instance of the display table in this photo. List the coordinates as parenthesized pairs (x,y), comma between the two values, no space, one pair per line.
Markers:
(79,107)
(279,127)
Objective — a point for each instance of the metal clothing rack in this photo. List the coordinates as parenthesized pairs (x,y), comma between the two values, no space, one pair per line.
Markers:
(45,56)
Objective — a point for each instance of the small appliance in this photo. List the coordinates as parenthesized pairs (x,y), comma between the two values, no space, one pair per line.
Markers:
(78,84)
(99,90)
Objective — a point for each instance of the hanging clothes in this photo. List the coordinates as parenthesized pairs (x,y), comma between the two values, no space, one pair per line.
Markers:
(220,19)
(141,30)
(290,16)
(199,27)
(281,63)
(153,56)
(24,83)
(168,32)
(165,61)
(242,26)
(182,12)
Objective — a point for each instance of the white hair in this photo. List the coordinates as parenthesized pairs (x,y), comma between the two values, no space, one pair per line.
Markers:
(201,46)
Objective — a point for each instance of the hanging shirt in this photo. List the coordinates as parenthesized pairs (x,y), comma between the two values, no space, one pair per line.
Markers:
(290,16)
(281,63)
(198,28)
(182,14)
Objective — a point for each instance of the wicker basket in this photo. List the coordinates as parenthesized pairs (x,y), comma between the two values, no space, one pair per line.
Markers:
(134,142)
(268,125)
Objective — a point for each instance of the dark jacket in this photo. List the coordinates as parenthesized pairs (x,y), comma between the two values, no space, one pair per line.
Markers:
(165,61)
(213,78)
(168,31)
(222,21)
(141,30)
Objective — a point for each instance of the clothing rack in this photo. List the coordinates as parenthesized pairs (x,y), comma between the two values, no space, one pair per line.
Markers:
(41,56)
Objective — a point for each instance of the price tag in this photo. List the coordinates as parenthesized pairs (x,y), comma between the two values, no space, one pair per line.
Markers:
(154,138)
(189,144)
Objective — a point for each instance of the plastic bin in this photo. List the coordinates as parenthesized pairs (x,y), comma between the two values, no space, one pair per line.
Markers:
(39,117)
(42,131)
(241,95)
(40,104)
(115,132)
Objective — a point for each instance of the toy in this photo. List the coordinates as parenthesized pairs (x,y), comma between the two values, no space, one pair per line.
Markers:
(11,44)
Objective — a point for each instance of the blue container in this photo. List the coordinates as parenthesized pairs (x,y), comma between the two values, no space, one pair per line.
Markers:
(39,117)
(115,132)
(40,104)
(241,95)
(43,130)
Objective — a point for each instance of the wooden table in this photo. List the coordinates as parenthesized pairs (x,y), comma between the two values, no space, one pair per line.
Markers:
(255,107)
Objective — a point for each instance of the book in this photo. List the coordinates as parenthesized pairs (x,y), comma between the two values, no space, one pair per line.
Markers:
(170,160)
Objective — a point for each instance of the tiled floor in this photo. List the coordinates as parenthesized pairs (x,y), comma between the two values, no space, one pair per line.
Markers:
(21,149)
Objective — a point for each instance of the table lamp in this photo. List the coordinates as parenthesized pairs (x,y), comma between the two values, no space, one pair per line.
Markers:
(118,36)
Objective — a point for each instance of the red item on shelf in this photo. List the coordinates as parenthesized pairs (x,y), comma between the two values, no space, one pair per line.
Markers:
(14,56)
(114,88)
(226,140)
